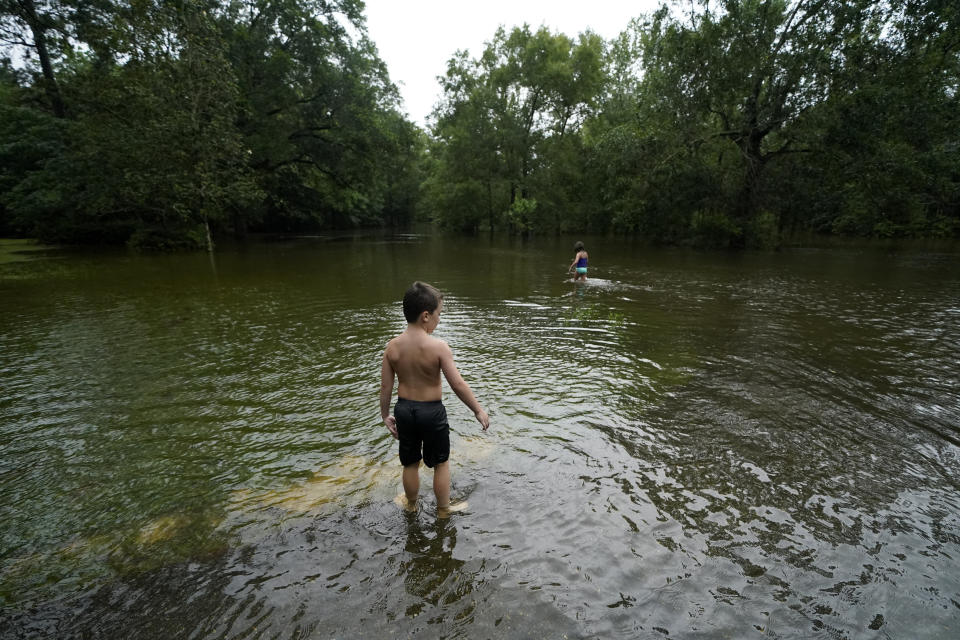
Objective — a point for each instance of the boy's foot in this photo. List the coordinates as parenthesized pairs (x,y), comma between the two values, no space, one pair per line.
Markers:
(453,507)
(403,503)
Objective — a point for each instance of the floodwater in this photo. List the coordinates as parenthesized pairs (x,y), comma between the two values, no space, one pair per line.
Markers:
(689,445)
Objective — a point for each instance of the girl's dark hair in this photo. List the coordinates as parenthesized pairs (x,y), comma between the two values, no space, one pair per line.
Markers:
(578,246)
(420,297)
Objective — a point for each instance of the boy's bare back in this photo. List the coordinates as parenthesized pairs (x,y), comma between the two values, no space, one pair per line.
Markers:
(415,357)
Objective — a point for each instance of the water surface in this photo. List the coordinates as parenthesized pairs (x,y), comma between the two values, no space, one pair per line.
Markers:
(688,445)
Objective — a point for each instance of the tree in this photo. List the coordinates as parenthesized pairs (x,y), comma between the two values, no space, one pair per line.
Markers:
(319,112)
(150,151)
(889,162)
(746,73)
(26,26)
(191,117)
(504,113)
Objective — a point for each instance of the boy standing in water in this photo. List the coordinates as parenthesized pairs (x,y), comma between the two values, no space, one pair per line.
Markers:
(579,262)
(420,420)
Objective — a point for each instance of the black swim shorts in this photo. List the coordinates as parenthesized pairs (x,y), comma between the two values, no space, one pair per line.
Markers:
(422,425)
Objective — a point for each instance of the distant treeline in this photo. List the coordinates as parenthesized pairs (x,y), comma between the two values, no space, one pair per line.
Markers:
(163,123)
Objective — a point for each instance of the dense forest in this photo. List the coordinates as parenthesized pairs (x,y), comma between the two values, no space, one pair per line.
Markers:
(166,123)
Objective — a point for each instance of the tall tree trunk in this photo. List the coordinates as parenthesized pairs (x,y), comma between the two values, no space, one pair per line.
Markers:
(754,159)
(490,201)
(524,171)
(40,42)
(206,224)
(239,225)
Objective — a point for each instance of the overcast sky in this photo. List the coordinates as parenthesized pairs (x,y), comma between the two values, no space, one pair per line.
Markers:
(417,37)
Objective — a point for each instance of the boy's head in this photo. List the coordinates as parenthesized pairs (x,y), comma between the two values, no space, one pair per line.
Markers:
(578,246)
(420,297)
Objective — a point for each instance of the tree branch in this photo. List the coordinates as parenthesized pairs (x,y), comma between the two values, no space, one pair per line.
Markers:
(304,160)
(311,132)
(723,117)
(19,43)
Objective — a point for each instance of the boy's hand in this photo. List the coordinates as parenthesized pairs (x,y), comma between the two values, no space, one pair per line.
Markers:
(483,419)
(391,423)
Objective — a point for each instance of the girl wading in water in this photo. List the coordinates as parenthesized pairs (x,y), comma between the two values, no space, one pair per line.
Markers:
(579,262)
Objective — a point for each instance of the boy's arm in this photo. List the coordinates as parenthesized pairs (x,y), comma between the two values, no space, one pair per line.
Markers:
(386,391)
(460,386)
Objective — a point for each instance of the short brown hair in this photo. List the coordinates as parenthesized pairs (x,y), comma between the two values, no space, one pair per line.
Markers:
(420,297)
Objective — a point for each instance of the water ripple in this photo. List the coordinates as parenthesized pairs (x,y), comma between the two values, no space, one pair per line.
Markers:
(691,445)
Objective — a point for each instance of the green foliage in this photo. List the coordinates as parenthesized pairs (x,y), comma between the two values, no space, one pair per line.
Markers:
(754,118)
(32,143)
(201,114)
(720,124)
(762,231)
(521,214)
(457,206)
(319,116)
(169,238)
(890,165)
(715,228)
(508,130)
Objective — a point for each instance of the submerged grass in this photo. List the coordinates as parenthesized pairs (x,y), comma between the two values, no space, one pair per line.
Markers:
(85,561)
(19,250)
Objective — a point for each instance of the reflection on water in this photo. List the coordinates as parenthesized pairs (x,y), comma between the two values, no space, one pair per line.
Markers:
(686,445)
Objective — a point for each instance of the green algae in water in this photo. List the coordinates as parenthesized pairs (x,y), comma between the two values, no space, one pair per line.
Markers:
(348,480)
(83,562)
(72,566)
(169,540)
(20,250)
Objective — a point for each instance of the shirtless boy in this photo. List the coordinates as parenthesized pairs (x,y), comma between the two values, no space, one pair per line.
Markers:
(419,419)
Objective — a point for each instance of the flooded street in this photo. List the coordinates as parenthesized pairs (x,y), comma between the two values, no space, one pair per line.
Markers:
(687,445)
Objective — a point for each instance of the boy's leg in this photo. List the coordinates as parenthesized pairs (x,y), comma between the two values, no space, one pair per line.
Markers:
(441,484)
(411,481)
